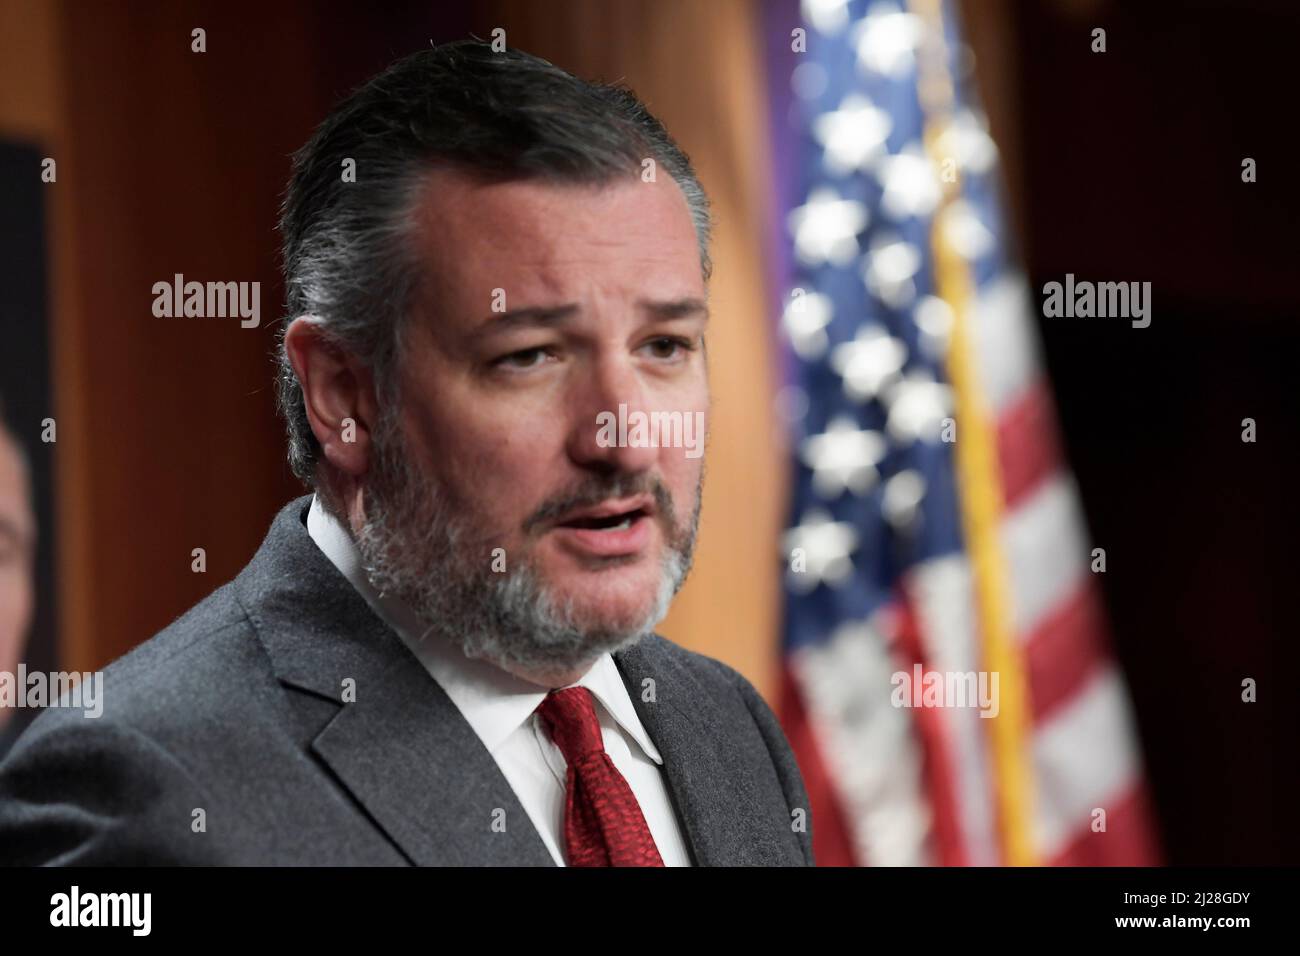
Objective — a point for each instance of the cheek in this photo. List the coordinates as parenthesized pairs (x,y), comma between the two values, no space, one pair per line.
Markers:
(682,475)
(492,459)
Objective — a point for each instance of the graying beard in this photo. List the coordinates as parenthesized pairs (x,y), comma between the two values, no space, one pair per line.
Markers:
(415,548)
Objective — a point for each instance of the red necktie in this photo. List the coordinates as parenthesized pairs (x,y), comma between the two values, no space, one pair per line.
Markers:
(603,824)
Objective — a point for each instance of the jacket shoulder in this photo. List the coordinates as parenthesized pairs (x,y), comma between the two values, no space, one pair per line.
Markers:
(722,682)
(116,772)
(204,666)
(715,674)
(91,793)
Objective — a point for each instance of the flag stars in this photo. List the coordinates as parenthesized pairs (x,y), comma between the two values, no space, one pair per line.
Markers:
(910,182)
(826,228)
(869,363)
(901,498)
(844,458)
(805,319)
(917,407)
(886,41)
(888,270)
(934,318)
(853,136)
(964,231)
(966,140)
(826,16)
(825,545)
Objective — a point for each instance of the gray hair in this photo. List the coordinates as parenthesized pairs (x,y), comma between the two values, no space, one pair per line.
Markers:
(507,115)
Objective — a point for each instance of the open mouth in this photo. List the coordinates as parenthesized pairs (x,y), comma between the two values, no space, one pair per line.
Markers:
(615,529)
(613,522)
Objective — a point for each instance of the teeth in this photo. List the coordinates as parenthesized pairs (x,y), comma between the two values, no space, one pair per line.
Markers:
(625,523)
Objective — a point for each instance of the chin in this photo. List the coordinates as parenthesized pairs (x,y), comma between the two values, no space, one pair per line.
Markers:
(611,606)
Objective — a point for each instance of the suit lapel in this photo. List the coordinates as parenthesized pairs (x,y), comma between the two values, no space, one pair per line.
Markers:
(410,758)
(703,762)
(400,747)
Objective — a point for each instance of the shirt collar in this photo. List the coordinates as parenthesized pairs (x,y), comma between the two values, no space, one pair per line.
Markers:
(493,701)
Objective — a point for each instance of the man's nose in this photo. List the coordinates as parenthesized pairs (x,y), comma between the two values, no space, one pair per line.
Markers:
(606,403)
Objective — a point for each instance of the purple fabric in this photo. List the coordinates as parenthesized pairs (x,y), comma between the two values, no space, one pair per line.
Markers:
(779,17)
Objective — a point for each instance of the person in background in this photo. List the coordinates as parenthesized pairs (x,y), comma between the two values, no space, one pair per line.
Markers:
(17,550)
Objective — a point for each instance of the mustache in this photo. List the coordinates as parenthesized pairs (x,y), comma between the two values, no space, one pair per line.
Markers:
(593,492)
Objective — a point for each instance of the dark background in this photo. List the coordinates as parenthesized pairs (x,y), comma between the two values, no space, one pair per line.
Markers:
(1131,168)
(25,378)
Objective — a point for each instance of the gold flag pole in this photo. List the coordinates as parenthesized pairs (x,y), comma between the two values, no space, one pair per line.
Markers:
(978,469)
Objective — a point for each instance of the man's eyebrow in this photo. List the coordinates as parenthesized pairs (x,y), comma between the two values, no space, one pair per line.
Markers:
(676,308)
(548,315)
(534,315)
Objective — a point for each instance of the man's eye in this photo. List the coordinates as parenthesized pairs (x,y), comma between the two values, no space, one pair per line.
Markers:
(669,347)
(523,359)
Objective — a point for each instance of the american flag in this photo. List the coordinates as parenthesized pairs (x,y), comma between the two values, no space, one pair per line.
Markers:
(932,520)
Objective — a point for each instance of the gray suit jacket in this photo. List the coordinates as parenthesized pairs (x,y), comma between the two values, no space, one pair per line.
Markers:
(236,710)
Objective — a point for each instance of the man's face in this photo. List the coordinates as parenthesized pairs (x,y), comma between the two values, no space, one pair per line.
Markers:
(545,307)
(17,540)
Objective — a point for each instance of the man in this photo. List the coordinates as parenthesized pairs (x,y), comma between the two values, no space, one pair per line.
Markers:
(445,654)
(17,553)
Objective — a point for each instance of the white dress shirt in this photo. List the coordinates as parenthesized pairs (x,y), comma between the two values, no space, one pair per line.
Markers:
(502,710)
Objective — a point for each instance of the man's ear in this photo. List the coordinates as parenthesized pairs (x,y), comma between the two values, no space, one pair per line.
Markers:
(338,391)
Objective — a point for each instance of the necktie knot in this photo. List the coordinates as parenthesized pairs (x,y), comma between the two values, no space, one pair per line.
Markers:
(603,823)
(571,718)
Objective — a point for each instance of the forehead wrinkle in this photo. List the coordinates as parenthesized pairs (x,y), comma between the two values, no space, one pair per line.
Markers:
(535,263)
